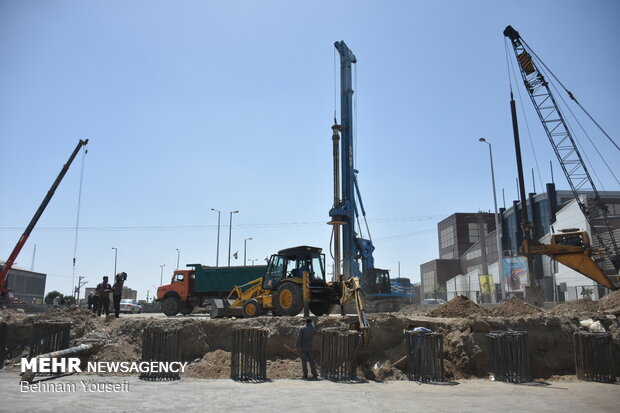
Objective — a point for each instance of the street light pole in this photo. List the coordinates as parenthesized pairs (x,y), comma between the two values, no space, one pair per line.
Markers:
(115,255)
(245,248)
(161,277)
(178,256)
(230,234)
(498,225)
(217,254)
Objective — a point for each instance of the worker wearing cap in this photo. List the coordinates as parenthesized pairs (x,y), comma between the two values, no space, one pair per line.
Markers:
(304,345)
(103,290)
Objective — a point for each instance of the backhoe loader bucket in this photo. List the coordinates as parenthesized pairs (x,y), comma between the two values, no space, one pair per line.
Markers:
(221,308)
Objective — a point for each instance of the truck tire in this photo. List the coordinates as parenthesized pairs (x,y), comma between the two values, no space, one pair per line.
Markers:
(170,306)
(252,308)
(289,299)
(319,309)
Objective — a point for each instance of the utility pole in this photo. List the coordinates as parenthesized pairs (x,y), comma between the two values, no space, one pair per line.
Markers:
(230,234)
(147,296)
(245,248)
(217,253)
(77,289)
(161,277)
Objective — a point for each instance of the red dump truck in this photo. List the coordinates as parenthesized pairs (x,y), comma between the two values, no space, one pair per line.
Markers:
(200,284)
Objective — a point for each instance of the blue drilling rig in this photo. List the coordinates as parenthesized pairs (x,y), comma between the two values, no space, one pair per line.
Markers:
(348,204)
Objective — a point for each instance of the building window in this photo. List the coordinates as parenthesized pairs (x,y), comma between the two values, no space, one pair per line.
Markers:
(473,254)
(474,233)
(446,237)
(451,255)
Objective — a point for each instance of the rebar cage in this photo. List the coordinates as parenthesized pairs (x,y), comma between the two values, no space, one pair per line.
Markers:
(49,336)
(509,354)
(594,357)
(425,356)
(249,355)
(161,345)
(339,354)
(4,331)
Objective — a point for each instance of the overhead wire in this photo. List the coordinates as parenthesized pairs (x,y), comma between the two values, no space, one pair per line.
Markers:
(77,219)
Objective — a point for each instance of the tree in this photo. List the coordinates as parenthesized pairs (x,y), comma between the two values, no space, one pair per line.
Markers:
(49,298)
(69,300)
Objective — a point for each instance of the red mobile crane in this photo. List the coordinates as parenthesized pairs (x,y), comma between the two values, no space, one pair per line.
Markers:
(6,294)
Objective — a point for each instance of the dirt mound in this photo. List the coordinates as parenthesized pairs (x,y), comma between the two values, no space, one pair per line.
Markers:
(214,365)
(583,305)
(82,321)
(459,306)
(610,302)
(285,368)
(515,307)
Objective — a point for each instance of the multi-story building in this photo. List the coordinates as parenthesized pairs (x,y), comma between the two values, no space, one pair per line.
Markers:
(457,234)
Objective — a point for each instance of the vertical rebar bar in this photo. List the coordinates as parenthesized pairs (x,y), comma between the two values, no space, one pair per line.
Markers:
(4,329)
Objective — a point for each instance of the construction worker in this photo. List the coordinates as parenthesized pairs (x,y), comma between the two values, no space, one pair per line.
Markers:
(95,301)
(304,345)
(103,290)
(117,293)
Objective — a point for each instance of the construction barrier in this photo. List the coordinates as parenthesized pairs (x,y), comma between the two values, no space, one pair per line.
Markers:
(509,354)
(249,355)
(339,354)
(4,330)
(161,345)
(49,336)
(594,357)
(424,356)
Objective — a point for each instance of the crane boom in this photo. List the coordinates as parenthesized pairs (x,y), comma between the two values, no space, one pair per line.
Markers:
(4,272)
(559,134)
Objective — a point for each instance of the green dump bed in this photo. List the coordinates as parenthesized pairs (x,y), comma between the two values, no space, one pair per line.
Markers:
(223,279)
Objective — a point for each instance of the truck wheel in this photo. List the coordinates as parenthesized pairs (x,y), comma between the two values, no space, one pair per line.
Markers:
(170,306)
(289,299)
(252,308)
(319,309)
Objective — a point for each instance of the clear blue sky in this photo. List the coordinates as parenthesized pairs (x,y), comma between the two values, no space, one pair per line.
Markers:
(192,105)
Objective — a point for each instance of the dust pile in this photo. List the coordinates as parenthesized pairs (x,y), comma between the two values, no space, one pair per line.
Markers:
(610,303)
(459,306)
(214,365)
(583,305)
(515,307)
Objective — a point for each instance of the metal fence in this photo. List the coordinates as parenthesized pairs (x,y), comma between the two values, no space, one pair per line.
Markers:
(339,354)
(161,345)
(425,356)
(509,354)
(594,357)
(49,336)
(249,355)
